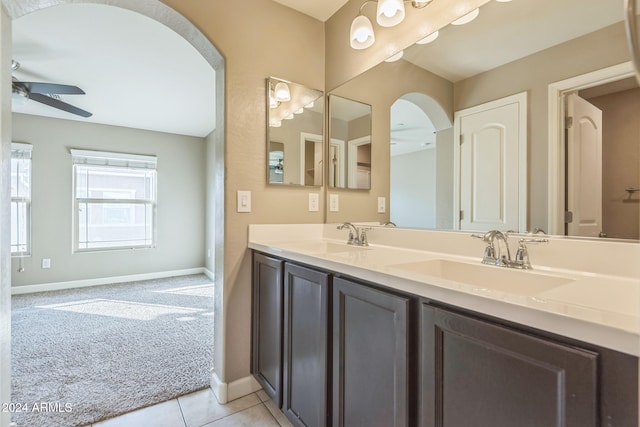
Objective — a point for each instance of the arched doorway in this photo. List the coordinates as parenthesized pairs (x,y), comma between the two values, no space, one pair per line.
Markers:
(166,16)
(421,173)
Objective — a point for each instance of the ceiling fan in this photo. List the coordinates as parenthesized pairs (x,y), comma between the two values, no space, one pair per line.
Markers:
(47,93)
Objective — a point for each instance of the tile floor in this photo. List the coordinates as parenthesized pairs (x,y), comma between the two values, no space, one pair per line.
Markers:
(201,409)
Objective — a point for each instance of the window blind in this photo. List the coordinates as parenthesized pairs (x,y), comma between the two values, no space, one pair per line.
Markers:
(105,158)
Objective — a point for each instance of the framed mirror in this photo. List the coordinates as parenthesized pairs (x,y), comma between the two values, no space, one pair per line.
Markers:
(294,134)
(505,52)
(349,144)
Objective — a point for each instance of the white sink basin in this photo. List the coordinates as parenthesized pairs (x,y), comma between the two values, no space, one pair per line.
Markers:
(321,247)
(485,277)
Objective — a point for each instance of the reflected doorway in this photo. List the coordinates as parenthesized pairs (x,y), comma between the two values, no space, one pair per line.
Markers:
(421,164)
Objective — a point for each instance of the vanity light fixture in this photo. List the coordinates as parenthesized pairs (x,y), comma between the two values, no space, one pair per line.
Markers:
(430,38)
(282,93)
(299,111)
(389,13)
(467,18)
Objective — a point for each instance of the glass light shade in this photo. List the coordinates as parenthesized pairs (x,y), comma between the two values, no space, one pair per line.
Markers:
(361,33)
(288,115)
(467,18)
(430,38)
(390,12)
(299,111)
(503,1)
(282,93)
(395,57)
(309,105)
(275,124)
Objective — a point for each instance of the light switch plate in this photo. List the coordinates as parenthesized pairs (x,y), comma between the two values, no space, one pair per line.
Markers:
(382,204)
(46,262)
(333,203)
(244,201)
(314,202)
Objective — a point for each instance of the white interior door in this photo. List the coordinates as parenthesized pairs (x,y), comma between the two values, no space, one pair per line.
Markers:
(584,168)
(492,165)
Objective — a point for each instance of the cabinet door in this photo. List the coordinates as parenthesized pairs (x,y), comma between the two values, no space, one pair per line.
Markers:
(485,375)
(305,346)
(370,366)
(266,355)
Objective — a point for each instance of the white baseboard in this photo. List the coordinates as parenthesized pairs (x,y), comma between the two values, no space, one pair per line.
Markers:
(209,274)
(28,289)
(226,392)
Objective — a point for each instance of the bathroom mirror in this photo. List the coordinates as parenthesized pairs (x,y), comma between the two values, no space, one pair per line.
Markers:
(349,144)
(522,46)
(294,134)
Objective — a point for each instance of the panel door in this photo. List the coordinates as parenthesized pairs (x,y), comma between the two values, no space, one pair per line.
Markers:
(477,373)
(305,360)
(370,357)
(584,168)
(266,354)
(492,182)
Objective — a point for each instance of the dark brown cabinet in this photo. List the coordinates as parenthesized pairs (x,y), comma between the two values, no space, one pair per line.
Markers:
(370,356)
(498,377)
(266,354)
(334,351)
(305,361)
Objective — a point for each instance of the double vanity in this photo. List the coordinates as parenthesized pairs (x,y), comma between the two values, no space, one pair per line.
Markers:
(413,329)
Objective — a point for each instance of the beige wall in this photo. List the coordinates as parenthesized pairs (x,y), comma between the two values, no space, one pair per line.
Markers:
(620,158)
(534,74)
(265,39)
(180,217)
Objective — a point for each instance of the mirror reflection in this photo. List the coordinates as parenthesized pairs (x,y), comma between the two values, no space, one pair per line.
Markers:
(294,134)
(349,144)
(502,53)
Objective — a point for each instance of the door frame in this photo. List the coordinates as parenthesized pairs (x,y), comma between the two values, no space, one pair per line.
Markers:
(521,100)
(556,152)
(304,137)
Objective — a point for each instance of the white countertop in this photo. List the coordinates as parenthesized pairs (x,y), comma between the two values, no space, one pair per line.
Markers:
(591,306)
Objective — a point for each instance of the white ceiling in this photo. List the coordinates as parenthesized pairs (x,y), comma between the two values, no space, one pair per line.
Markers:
(135,71)
(319,9)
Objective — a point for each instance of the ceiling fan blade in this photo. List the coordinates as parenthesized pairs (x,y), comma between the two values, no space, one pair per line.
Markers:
(56,103)
(35,87)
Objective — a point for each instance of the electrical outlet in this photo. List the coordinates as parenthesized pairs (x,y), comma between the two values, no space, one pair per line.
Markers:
(314,202)
(333,203)
(382,204)
(46,262)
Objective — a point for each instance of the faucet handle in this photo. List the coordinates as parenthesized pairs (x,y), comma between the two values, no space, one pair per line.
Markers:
(522,255)
(363,235)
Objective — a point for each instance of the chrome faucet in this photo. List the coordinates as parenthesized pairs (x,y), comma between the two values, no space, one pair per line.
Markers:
(493,253)
(356,237)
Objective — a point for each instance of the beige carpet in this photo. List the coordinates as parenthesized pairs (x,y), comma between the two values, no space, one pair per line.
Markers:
(84,355)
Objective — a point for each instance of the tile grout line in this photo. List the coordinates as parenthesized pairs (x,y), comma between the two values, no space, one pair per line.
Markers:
(184,420)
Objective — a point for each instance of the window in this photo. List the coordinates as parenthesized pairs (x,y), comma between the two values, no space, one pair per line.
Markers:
(20,199)
(114,200)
